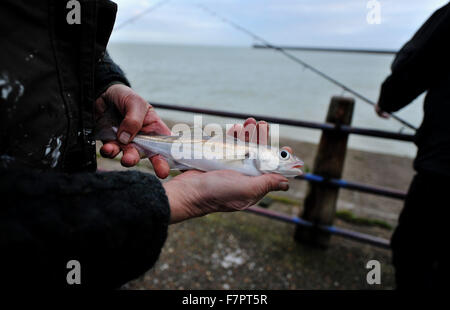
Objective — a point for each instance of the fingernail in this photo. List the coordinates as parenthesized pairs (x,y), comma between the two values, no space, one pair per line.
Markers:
(281,178)
(124,137)
(284,186)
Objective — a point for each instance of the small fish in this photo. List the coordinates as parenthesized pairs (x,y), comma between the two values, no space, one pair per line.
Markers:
(209,153)
(212,153)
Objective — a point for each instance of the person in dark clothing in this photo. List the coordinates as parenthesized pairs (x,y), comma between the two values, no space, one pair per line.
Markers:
(55,207)
(418,243)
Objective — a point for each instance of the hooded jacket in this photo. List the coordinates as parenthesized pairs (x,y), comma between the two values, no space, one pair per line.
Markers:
(423,65)
(54,207)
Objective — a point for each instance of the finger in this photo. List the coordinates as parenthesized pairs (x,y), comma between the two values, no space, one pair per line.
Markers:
(270,182)
(383,114)
(158,127)
(262,129)
(277,182)
(249,121)
(110,150)
(235,130)
(135,112)
(130,156)
(248,132)
(160,166)
(153,123)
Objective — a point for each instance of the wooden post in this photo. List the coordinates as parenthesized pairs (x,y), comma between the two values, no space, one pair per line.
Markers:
(320,201)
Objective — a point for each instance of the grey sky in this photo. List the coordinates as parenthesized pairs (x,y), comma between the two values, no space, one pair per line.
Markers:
(339,23)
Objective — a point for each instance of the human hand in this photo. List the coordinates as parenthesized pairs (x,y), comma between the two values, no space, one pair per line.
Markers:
(139,116)
(380,112)
(194,193)
(251,131)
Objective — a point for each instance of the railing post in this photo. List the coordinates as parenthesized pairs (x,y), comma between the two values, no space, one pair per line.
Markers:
(320,201)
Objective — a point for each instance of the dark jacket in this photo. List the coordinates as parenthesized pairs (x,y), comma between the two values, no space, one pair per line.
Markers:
(423,64)
(54,207)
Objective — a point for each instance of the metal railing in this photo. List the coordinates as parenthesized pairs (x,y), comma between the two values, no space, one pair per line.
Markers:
(313,178)
(292,122)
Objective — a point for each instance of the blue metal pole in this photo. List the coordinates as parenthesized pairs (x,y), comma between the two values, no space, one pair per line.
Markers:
(346,233)
(353,185)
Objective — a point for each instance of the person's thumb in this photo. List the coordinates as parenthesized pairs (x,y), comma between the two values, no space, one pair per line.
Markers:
(271,182)
(134,115)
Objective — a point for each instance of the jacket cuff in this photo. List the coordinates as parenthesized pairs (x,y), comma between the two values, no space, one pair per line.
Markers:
(108,73)
(100,91)
(387,97)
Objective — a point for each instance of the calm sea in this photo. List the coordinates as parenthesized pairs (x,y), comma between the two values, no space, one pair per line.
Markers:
(242,79)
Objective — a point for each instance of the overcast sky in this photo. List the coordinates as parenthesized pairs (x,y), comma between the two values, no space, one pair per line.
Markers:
(340,23)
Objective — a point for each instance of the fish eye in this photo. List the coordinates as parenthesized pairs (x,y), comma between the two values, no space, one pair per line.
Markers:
(284,154)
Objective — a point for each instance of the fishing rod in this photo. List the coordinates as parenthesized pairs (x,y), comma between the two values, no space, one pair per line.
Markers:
(294,58)
(333,49)
(139,15)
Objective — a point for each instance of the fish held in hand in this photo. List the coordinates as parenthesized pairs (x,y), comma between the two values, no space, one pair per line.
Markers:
(214,153)
(207,153)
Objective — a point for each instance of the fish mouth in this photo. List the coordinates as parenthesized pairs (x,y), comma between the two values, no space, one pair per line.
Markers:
(297,165)
(295,168)
(293,172)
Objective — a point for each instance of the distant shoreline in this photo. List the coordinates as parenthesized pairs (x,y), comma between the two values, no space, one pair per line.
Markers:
(330,49)
(246,80)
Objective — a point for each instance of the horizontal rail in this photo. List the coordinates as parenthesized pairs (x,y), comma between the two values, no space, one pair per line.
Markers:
(290,122)
(330,49)
(376,190)
(311,177)
(346,233)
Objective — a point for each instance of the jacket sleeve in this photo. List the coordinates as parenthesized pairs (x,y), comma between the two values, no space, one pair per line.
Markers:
(114,224)
(419,62)
(107,73)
